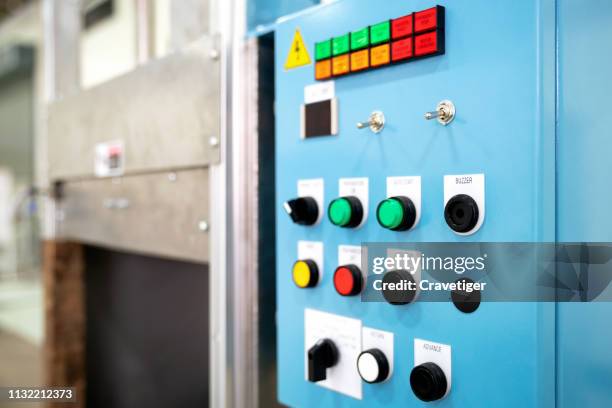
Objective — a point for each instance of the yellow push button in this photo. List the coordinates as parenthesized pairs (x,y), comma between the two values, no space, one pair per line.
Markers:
(305,273)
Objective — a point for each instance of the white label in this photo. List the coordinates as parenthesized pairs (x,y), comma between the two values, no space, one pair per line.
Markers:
(349,255)
(109,158)
(357,187)
(469,184)
(312,250)
(321,91)
(378,339)
(430,352)
(345,332)
(407,186)
(313,188)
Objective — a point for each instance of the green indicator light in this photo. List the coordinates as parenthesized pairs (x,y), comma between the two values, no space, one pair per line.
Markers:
(360,39)
(340,212)
(390,213)
(323,50)
(340,45)
(380,32)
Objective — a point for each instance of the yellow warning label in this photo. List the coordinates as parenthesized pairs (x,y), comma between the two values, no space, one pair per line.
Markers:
(298,54)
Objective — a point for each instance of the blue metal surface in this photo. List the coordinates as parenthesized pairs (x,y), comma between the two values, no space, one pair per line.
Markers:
(584,195)
(501,78)
(265,12)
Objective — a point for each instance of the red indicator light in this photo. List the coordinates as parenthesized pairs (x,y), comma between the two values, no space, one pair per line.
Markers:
(401,27)
(348,280)
(402,49)
(429,44)
(429,19)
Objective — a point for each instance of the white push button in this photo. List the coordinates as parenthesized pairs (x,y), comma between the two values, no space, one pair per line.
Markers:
(373,366)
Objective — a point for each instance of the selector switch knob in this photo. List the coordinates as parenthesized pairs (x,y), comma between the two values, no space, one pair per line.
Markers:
(396,213)
(323,355)
(348,280)
(305,273)
(461,213)
(428,382)
(373,366)
(302,210)
(346,212)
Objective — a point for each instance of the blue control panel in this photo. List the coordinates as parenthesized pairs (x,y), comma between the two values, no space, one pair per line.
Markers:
(457,145)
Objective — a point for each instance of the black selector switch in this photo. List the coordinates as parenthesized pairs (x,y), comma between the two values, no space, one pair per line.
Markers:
(428,382)
(302,210)
(323,355)
(461,213)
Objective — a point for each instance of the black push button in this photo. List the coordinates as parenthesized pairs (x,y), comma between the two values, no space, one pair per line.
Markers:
(321,356)
(461,213)
(428,382)
(399,287)
(302,210)
(467,302)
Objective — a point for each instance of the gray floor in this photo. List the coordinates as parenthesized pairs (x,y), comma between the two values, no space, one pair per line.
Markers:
(21,336)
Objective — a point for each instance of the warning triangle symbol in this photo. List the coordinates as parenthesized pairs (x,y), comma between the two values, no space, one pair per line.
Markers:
(298,54)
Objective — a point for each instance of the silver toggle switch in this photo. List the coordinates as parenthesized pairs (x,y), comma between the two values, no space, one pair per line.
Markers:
(376,122)
(445,113)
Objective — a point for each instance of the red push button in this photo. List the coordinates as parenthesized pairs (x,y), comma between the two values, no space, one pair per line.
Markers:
(401,50)
(429,19)
(429,44)
(348,280)
(401,27)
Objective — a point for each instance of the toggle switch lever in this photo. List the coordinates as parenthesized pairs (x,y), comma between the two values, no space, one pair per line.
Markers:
(445,113)
(321,356)
(376,122)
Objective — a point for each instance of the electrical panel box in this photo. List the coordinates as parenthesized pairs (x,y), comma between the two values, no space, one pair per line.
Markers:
(439,126)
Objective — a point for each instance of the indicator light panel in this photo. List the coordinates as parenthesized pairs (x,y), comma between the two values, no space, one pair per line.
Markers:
(340,45)
(430,19)
(360,39)
(401,27)
(323,50)
(402,50)
(407,38)
(360,60)
(380,55)
(380,33)
(341,65)
(323,69)
(429,44)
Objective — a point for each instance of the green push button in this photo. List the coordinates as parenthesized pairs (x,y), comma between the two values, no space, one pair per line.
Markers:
(340,45)
(390,213)
(323,50)
(340,212)
(360,39)
(380,33)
